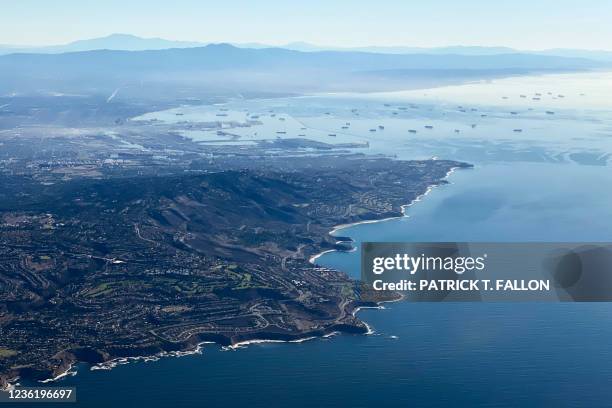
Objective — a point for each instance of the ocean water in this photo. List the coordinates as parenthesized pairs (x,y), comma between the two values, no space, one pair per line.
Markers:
(549,182)
(445,354)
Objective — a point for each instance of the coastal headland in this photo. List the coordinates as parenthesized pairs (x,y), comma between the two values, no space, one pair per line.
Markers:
(109,268)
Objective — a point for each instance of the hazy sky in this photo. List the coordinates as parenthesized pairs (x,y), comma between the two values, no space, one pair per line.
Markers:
(525,24)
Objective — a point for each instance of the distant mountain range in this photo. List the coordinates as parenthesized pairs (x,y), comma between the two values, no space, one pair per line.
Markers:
(597,55)
(128,42)
(123,42)
(216,57)
(223,69)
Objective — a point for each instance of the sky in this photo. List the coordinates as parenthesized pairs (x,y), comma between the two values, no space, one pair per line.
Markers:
(522,24)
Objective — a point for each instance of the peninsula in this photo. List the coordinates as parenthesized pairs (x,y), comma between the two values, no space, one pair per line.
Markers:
(96,269)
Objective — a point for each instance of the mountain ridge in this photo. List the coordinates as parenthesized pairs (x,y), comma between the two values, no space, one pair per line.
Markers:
(229,69)
(130,42)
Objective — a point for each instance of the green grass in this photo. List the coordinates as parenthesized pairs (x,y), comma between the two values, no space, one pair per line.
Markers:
(348,290)
(6,353)
(103,287)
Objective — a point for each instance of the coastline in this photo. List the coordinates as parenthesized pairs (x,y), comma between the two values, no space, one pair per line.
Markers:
(418,198)
(379,306)
(403,209)
(70,370)
(326,333)
(110,364)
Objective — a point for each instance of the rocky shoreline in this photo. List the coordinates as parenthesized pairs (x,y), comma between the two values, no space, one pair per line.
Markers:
(102,360)
(380,188)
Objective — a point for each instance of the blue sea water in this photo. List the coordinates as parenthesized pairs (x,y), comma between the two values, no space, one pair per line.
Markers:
(445,354)
(549,182)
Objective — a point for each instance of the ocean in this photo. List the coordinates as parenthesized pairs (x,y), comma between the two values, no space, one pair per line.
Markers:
(541,150)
